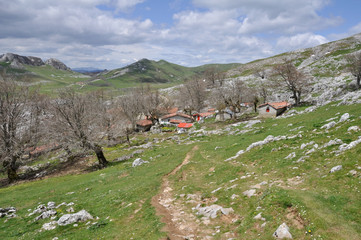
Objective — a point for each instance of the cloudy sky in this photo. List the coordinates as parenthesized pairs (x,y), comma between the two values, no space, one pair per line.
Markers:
(113,33)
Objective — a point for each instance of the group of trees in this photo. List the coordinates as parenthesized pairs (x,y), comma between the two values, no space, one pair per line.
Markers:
(72,121)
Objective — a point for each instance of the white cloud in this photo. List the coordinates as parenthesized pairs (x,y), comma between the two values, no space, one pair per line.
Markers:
(298,41)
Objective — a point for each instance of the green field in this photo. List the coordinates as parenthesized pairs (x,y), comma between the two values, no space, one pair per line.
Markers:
(314,203)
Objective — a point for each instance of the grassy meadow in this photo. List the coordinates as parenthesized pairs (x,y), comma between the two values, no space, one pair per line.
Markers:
(314,203)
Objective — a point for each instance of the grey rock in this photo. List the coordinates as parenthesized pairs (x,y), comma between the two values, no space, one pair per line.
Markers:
(336,168)
(291,155)
(249,193)
(354,129)
(49,226)
(335,141)
(344,117)
(137,162)
(329,125)
(57,64)
(80,216)
(212,211)
(46,214)
(352,172)
(282,231)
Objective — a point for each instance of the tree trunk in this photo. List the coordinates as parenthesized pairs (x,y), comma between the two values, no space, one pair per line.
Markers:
(100,156)
(358,81)
(10,167)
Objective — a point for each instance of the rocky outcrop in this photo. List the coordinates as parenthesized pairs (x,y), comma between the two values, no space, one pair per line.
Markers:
(57,64)
(18,61)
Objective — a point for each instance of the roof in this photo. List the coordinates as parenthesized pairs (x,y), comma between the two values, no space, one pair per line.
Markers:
(211,110)
(176,121)
(144,122)
(185,125)
(176,114)
(276,105)
(205,114)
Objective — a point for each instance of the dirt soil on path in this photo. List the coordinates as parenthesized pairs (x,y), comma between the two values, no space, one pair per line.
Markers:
(178,223)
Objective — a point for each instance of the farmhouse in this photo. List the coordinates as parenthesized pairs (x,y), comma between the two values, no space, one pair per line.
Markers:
(144,125)
(176,118)
(273,109)
(201,116)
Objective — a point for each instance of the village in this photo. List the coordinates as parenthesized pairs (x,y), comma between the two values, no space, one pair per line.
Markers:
(181,122)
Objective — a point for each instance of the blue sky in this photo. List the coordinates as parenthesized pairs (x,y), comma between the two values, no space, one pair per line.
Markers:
(113,33)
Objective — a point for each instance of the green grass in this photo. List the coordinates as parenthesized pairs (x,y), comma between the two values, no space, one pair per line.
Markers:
(325,205)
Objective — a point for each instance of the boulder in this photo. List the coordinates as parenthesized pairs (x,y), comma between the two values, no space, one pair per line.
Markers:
(80,216)
(212,211)
(291,155)
(329,125)
(282,231)
(46,214)
(344,117)
(137,162)
(49,226)
(249,193)
(354,129)
(336,168)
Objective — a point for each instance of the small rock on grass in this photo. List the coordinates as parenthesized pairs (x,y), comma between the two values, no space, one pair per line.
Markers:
(336,168)
(282,232)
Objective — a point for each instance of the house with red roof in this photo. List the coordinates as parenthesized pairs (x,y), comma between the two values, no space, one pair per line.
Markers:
(144,125)
(272,109)
(176,118)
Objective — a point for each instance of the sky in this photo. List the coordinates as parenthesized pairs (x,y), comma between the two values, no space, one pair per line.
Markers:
(109,34)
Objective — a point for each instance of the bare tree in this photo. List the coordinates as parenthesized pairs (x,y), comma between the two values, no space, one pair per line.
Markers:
(288,76)
(231,96)
(261,73)
(76,119)
(19,124)
(131,108)
(212,76)
(193,95)
(354,62)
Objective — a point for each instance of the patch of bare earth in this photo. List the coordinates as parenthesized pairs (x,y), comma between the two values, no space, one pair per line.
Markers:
(178,223)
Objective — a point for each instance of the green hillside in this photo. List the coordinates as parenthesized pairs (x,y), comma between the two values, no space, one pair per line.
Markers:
(156,72)
(290,176)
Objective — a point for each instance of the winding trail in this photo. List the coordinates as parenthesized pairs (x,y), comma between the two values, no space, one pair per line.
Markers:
(178,224)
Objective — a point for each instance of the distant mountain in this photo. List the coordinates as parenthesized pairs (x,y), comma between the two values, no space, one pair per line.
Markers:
(18,61)
(149,71)
(86,70)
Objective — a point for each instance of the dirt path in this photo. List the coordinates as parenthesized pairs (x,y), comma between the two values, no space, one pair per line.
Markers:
(179,224)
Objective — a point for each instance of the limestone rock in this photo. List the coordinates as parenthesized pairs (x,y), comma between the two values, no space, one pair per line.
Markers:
(336,168)
(46,214)
(49,226)
(291,155)
(282,231)
(249,193)
(57,64)
(137,162)
(80,216)
(344,117)
(354,129)
(329,125)
(211,211)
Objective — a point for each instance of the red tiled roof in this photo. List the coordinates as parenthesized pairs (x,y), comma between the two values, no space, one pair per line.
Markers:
(276,105)
(176,114)
(144,122)
(176,121)
(185,125)
(205,114)
(211,110)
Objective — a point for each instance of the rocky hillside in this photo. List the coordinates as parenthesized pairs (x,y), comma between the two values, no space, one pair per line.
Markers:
(325,63)
(17,61)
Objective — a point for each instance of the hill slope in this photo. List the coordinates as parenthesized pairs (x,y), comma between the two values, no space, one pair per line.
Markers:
(287,179)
